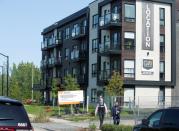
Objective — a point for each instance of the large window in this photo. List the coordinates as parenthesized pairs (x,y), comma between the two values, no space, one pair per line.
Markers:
(67,33)
(129,70)
(162,17)
(115,40)
(94,70)
(66,54)
(93,95)
(95,21)
(94,45)
(162,43)
(129,13)
(162,70)
(129,41)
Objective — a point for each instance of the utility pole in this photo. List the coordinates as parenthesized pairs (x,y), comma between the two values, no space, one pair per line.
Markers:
(2,91)
(7,57)
(32,84)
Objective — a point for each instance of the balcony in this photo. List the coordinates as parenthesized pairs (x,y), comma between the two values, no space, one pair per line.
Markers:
(110,21)
(44,45)
(79,32)
(51,43)
(105,75)
(43,64)
(110,48)
(54,43)
(78,55)
(82,79)
(58,61)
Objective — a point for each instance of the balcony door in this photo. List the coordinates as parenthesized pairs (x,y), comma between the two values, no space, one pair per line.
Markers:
(115,40)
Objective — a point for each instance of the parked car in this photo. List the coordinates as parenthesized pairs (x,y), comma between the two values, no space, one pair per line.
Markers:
(161,120)
(13,116)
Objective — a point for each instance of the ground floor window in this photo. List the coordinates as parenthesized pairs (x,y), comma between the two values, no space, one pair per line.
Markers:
(93,95)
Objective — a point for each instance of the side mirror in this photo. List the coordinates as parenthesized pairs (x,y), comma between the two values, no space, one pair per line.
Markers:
(145,122)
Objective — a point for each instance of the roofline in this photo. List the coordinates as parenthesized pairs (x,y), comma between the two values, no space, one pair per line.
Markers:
(66,20)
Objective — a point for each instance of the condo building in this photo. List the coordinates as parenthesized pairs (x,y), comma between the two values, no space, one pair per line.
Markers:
(137,38)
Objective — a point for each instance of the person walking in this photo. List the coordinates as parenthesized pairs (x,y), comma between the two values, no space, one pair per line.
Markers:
(116,114)
(101,110)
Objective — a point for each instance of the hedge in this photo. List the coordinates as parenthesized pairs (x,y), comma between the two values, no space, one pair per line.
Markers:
(110,127)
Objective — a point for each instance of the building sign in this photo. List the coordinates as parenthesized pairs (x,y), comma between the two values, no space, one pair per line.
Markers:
(148,26)
(70,97)
(147,67)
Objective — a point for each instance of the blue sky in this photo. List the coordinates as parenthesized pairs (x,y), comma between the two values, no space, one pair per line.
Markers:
(22,21)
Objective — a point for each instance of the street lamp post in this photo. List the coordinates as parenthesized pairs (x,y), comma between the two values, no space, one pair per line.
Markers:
(2,81)
(7,91)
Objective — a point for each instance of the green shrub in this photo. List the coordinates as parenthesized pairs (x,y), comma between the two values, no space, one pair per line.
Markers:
(110,127)
(92,110)
(92,127)
(41,117)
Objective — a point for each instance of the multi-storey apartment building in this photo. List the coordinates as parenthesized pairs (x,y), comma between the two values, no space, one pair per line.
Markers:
(65,51)
(136,38)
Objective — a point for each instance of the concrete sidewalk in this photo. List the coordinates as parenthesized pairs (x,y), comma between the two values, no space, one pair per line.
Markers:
(86,123)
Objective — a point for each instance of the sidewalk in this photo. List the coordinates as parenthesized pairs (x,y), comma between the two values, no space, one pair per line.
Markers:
(85,124)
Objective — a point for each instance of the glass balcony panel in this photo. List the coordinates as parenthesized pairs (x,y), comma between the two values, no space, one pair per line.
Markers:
(109,18)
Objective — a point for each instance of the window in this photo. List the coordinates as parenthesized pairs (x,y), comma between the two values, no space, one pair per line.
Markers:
(65,72)
(154,119)
(67,33)
(115,65)
(66,54)
(129,41)
(129,71)
(129,13)
(59,35)
(162,17)
(95,21)
(93,95)
(94,45)
(162,70)
(74,72)
(162,43)
(94,70)
(75,30)
(115,40)
(171,117)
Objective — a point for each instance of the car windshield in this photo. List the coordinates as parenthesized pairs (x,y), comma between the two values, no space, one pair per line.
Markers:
(13,115)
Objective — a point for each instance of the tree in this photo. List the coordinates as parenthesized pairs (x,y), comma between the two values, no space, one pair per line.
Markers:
(54,90)
(115,86)
(21,80)
(70,83)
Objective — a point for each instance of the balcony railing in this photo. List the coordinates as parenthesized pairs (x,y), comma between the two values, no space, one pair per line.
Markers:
(51,43)
(112,18)
(44,63)
(79,31)
(105,75)
(109,47)
(78,54)
(82,78)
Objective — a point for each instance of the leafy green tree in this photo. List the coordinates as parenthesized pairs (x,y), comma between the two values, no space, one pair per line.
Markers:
(70,83)
(21,76)
(115,85)
(54,90)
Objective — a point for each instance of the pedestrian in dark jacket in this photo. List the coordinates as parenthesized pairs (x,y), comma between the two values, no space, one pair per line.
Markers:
(101,110)
(116,114)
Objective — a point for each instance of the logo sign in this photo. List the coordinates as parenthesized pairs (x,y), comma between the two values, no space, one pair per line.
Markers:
(147,67)
(148,26)
(147,64)
(70,97)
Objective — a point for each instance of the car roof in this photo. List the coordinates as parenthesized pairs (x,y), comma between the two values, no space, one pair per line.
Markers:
(4,99)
